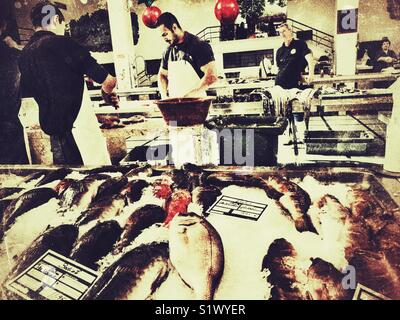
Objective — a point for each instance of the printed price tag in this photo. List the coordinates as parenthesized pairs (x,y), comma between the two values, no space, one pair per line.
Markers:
(235,207)
(364,293)
(53,277)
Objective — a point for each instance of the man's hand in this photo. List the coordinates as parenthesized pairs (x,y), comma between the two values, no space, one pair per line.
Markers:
(110,98)
(11,43)
(191,94)
(107,91)
(310,79)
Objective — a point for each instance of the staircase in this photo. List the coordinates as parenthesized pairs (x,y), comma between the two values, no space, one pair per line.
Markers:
(320,38)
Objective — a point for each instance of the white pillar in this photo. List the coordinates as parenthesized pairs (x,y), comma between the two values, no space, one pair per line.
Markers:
(346,36)
(122,43)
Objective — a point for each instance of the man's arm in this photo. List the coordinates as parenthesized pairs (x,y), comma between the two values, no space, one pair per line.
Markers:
(163,82)
(210,77)
(81,61)
(311,67)
(107,90)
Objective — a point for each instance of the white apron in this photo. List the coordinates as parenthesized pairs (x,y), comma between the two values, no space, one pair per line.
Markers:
(182,79)
(88,136)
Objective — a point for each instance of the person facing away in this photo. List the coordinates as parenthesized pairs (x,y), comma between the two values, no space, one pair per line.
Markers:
(187,65)
(53,67)
(292,58)
(12,142)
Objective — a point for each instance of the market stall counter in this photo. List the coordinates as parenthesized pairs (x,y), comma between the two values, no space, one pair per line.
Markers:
(316,232)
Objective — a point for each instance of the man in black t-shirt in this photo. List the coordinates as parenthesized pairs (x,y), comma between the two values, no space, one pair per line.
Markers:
(12,144)
(188,64)
(291,59)
(385,57)
(53,67)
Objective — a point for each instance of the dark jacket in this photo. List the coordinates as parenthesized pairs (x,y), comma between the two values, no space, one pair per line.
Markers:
(53,69)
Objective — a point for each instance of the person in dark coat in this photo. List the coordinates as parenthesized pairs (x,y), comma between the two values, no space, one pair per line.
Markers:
(12,142)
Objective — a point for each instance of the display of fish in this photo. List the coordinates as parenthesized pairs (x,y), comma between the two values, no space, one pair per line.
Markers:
(25,202)
(197,253)
(139,220)
(374,270)
(96,243)
(205,197)
(365,207)
(59,239)
(295,200)
(6,192)
(135,276)
(55,175)
(80,193)
(177,203)
(103,209)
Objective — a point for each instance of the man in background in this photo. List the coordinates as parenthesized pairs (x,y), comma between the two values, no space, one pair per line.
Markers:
(292,58)
(385,57)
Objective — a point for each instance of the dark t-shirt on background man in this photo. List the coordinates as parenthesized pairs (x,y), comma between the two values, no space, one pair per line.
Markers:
(291,63)
(193,50)
(12,144)
(379,65)
(52,71)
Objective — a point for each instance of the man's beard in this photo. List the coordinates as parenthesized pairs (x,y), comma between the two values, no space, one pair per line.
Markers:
(174,41)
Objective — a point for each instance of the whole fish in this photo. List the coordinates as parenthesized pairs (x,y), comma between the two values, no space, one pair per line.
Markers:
(364,206)
(205,197)
(374,270)
(325,282)
(335,224)
(59,239)
(80,193)
(34,176)
(25,202)
(280,260)
(177,203)
(197,253)
(58,174)
(224,180)
(110,187)
(139,220)
(388,241)
(6,192)
(105,209)
(110,168)
(96,243)
(135,276)
(295,200)
(134,190)
(135,171)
